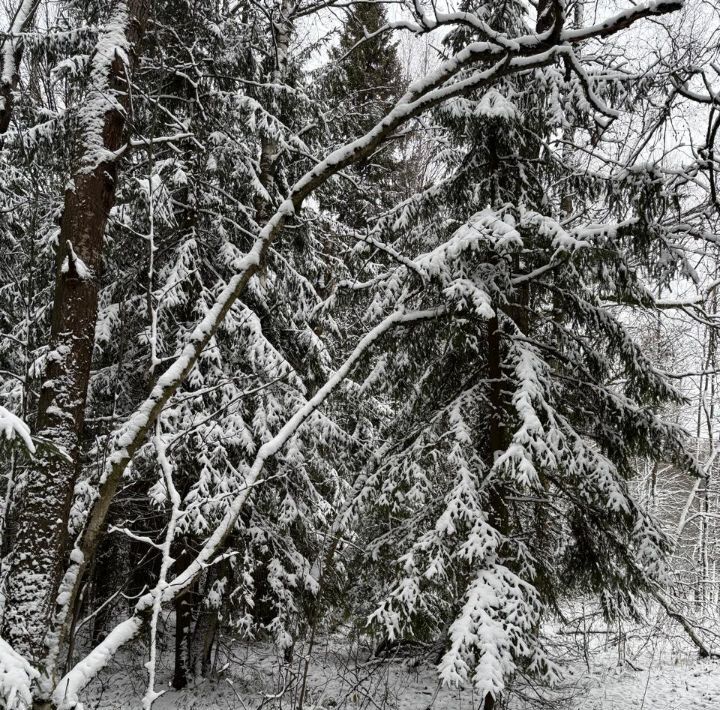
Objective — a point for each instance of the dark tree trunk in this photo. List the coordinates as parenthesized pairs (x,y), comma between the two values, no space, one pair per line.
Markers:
(496,433)
(42,512)
(184,604)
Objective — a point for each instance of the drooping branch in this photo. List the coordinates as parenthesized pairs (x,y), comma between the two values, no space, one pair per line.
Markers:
(131,435)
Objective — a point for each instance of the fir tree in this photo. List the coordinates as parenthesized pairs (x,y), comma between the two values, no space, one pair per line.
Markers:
(364,81)
(506,467)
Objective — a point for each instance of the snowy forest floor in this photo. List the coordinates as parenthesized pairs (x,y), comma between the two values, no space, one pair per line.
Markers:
(651,670)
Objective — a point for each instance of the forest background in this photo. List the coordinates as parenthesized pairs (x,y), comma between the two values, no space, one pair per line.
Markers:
(385,319)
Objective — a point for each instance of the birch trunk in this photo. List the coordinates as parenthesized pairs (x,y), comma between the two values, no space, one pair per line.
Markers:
(269,149)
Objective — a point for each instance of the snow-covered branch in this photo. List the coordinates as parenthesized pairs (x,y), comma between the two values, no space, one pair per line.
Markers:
(66,693)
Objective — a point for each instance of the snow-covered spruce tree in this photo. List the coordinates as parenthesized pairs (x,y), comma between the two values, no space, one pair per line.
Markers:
(503,477)
(361,83)
(171,238)
(126,630)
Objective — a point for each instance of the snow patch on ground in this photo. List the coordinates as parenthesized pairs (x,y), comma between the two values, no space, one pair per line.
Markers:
(657,675)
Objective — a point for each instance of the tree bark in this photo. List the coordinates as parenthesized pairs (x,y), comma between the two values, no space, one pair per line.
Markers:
(205,631)
(40,545)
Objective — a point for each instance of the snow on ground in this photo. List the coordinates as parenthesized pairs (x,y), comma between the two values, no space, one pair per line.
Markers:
(654,668)
(687,685)
(256,677)
(653,673)
(683,687)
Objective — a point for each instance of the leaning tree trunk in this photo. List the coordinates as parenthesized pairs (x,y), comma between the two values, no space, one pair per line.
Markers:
(40,543)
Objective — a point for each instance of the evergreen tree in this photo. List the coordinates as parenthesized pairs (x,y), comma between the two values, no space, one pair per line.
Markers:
(368,77)
(363,82)
(504,475)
